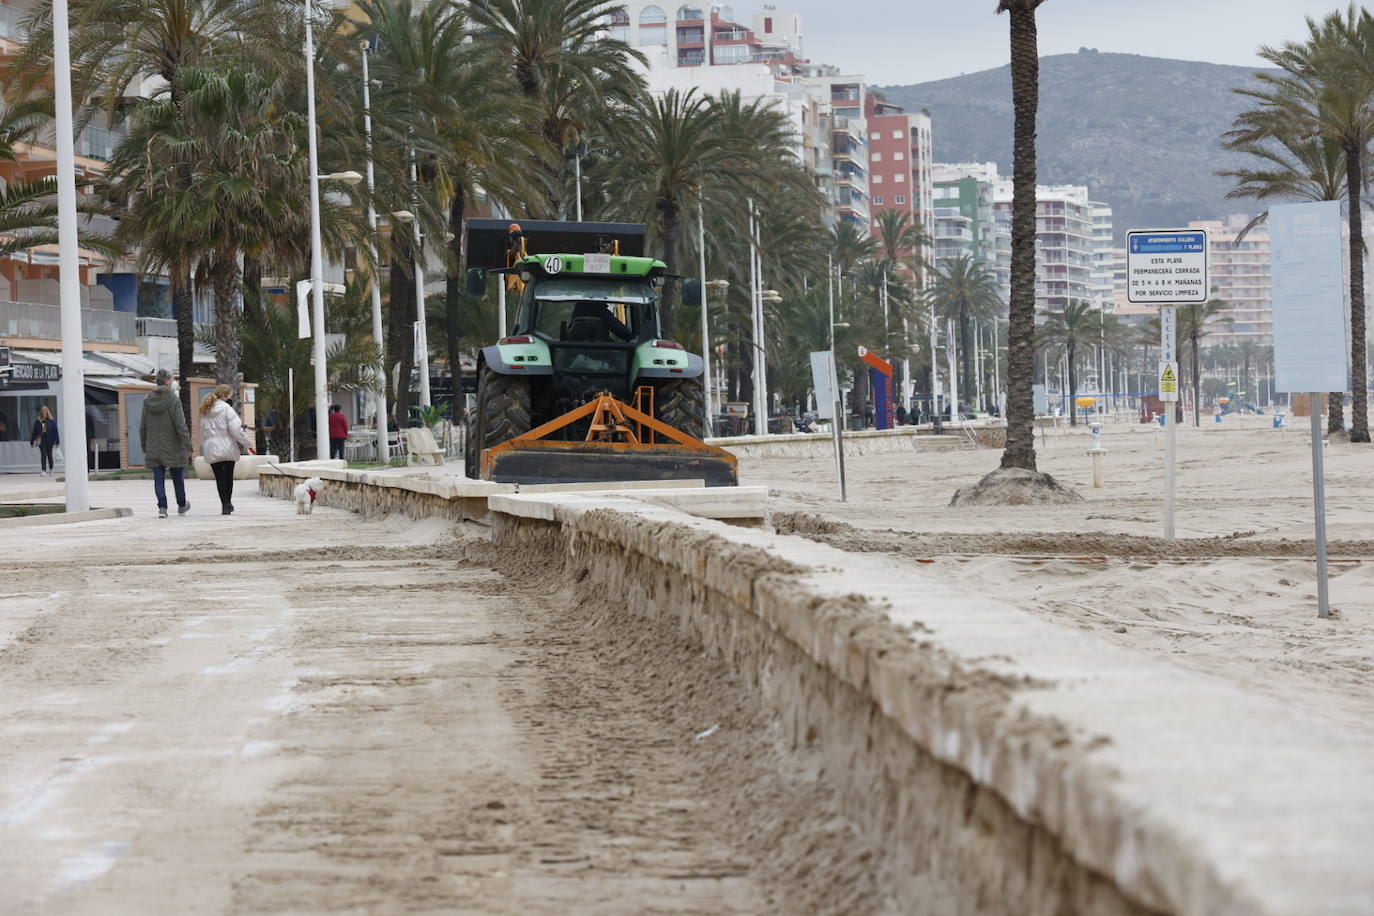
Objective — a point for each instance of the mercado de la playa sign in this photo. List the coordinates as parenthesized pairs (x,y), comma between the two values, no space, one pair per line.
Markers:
(1166,266)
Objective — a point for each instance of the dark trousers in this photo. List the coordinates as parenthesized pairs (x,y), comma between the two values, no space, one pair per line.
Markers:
(224,482)
(160,485)
(45,457)
(336,447)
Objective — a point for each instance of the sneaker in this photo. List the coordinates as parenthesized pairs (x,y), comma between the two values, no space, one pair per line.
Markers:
(183,509)
(161,513)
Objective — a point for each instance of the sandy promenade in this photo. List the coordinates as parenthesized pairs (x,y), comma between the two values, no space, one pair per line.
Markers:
(269,713)
(1234,598)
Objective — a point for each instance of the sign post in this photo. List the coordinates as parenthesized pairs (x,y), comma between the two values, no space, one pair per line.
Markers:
(1168,268)
(825,381)
(1309,330)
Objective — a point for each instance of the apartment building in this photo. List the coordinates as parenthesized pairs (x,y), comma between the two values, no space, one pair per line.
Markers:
(899,161)
(1066,242)
(1240,275)
(968,188)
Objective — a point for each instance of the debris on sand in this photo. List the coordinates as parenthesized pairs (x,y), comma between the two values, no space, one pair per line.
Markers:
(1015,487)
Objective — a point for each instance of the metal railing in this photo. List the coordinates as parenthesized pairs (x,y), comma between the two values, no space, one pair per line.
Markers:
(156,327)
(44,322)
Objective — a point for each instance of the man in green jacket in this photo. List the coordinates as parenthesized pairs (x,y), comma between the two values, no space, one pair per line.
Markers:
(166,443)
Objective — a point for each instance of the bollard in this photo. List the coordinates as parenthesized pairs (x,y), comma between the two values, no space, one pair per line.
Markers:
(1097,453)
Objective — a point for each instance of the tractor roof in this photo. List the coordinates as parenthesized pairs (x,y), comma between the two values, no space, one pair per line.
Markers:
(488,240)
(582,265)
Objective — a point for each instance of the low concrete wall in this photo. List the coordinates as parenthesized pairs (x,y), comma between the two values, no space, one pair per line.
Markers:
(378,493)
(1007,764)
(862,442)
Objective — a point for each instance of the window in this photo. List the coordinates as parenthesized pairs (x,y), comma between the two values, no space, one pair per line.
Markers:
(898,156)
(876,157)
(653,28)
(876,135)
(900,198)
(877,201)
(689,12)
(620,24)
(898,134)
(768,25)
(877,179)
(899,177)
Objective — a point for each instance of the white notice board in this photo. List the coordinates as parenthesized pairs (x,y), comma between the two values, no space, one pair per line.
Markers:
(1167,266)
(823,381)
(1309,297)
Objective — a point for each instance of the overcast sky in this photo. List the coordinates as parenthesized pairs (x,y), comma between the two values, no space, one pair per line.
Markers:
(912,41)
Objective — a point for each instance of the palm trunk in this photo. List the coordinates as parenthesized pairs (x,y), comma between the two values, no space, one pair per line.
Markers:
(671,228)
(400,344)
(1073,384)
(1335,411)
(225,280)
(1197,391)
(252,286)
(1359,408)
(966,346)
(453,292)
(1025,77)
(183,308)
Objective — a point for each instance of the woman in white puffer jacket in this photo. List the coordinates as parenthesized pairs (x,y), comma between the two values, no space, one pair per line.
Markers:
(221,438)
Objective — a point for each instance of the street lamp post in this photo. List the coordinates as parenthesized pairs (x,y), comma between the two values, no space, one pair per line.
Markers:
(69,278)
(422,332)
(316,245)
(705,323)
(380,394)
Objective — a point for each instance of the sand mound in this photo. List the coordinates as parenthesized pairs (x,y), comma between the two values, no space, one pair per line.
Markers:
(1015,487)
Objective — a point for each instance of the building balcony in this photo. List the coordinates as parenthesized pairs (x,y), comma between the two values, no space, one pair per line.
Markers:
(726,36)
(38,321)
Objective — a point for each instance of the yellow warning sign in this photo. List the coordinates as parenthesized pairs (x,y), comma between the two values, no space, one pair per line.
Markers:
(1168,380)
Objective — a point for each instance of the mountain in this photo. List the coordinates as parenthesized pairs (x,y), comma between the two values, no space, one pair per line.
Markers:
(1141,132)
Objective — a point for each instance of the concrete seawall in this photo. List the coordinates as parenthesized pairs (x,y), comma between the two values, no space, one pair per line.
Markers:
(1001,763)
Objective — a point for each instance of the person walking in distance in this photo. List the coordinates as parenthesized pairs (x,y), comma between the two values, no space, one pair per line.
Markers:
(338,431)
(45,437)
(166,443)
(222,440)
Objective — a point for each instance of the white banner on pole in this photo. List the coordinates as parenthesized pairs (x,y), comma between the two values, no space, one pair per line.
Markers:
(1309,297)
(823,382)
(302,309)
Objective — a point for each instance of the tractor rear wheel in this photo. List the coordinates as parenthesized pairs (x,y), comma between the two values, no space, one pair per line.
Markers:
(502,413)
(681,403)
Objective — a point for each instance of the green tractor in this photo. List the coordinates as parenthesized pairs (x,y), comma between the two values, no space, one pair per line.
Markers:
(585,388)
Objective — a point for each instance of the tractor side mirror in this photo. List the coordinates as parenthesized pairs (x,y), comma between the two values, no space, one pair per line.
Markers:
(691,292)
(477,283)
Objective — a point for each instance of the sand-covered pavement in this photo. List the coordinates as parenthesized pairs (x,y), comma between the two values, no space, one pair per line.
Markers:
(1233,598)
(271,713)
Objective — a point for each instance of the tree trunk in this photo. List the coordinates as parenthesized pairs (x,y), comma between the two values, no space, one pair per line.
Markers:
(453,294)
(1335,411)
(1359,408)
(400,344)
(184,311)
(1025,78)
(252,286)
(966,348)
(225,279)
(671,227)
(1197,390)
(1073,384)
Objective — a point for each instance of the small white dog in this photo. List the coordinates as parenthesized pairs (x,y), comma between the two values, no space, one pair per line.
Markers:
(305,495)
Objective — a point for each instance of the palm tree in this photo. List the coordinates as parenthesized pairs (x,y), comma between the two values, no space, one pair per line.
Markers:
(1195,322)
(1025,92)
(1325,88)
(962,290)
(560,56)
(213,169)
(902,240)
(1248,351)
(1079,323)
(117,43)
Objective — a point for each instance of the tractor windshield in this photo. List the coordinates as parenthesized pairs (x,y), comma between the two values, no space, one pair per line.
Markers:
(591,310)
